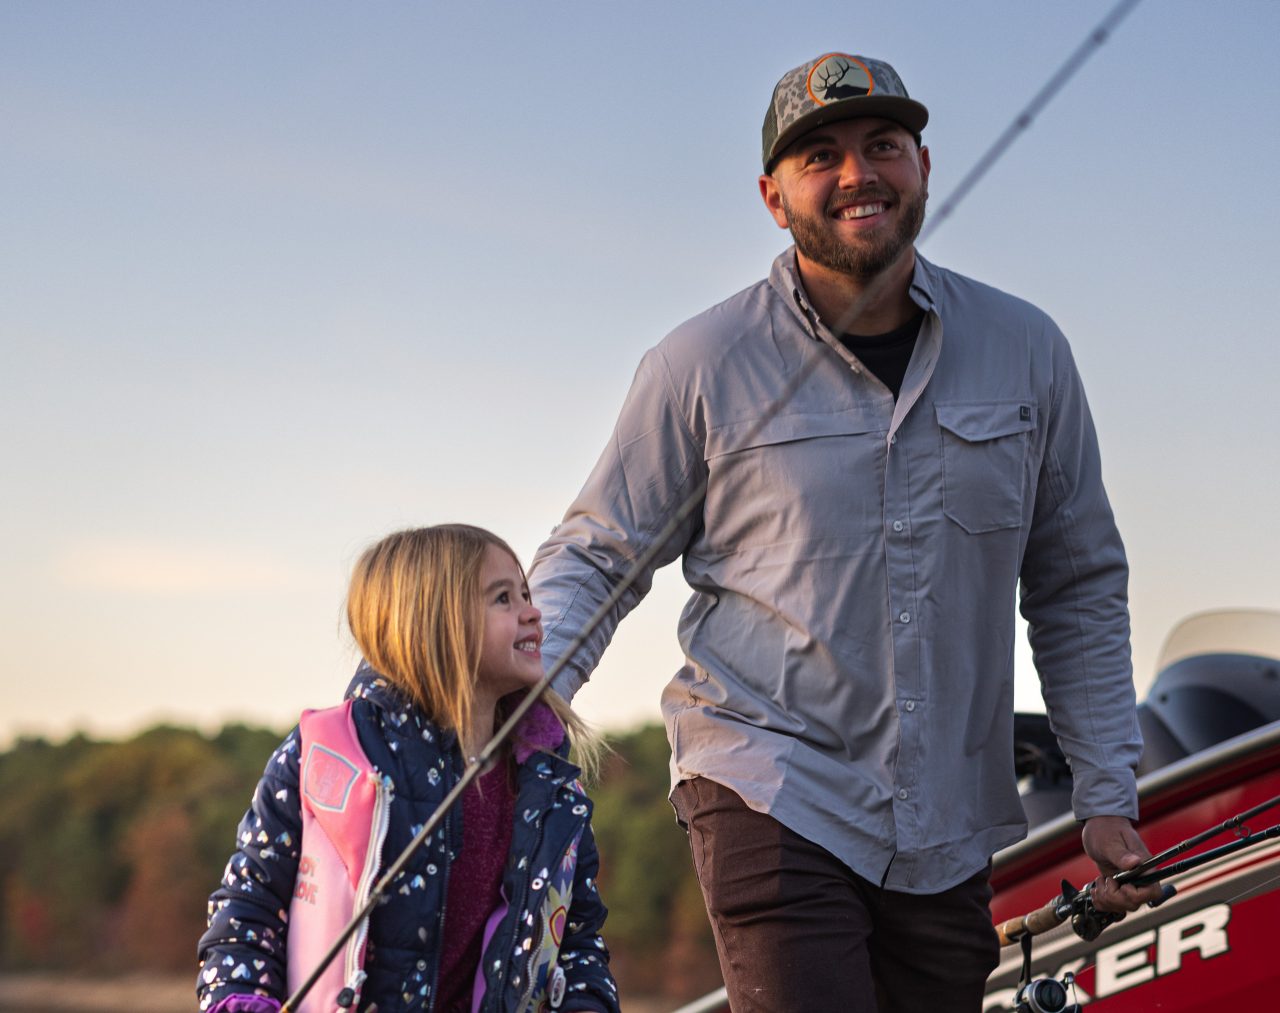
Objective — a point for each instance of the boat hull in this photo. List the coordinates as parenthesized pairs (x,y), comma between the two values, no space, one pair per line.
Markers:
(1211,945)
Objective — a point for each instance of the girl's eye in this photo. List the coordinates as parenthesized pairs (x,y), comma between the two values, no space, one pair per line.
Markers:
(503,598)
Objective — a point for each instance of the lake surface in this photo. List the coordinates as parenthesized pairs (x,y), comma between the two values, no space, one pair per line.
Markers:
(51,993)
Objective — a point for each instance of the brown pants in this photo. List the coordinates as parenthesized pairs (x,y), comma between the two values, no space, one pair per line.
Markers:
(798,932)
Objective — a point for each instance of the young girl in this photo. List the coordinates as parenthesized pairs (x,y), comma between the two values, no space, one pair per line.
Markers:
(498,910)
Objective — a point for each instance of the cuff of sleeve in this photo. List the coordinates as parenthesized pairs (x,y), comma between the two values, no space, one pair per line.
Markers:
(1104,791)
(247,1004)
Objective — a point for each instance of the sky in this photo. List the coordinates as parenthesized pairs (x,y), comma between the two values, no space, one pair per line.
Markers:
(278,279)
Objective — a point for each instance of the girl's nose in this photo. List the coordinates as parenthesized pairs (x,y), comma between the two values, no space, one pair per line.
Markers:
(531,614)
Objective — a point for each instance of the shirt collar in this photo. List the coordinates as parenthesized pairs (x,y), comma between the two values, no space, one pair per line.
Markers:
(923,281)
(784,277)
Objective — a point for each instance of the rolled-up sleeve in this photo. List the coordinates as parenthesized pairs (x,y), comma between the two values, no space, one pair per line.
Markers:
(1075,600)
(649,467)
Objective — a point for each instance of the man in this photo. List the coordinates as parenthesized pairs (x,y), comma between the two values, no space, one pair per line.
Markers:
(842,728)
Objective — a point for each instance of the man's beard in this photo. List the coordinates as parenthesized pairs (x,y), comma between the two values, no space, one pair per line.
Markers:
(862,259)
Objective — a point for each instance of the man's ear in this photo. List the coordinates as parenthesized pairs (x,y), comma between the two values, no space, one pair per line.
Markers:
(772,197)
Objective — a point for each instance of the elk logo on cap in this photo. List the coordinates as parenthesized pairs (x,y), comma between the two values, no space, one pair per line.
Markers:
(838,76)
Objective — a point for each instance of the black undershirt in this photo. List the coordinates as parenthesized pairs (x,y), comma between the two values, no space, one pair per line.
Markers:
(886,355)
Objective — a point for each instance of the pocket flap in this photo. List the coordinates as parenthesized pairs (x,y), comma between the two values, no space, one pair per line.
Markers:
(739,436)
(975,421)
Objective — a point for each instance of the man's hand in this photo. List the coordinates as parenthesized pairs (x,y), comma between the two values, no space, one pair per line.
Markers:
(1114,846)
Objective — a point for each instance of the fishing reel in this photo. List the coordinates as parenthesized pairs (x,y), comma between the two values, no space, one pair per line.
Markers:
(1086,920)
(1046,995)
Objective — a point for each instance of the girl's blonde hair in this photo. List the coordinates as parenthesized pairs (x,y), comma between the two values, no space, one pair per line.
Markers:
(415,609)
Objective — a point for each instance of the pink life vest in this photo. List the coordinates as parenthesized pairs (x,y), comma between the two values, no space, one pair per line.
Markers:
(345,810)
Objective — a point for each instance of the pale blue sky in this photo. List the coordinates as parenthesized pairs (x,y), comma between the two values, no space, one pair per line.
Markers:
(280,278)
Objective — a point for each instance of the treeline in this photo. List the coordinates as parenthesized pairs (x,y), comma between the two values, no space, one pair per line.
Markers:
(108,851)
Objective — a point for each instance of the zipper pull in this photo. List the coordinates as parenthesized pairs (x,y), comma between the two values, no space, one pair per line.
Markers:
(348,996)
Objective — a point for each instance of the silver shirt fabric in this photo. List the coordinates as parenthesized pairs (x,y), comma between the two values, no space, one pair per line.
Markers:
(854,565)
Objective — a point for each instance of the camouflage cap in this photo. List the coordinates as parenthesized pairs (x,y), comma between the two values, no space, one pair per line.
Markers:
(836,86)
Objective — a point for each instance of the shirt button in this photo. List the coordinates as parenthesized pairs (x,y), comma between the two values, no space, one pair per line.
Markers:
(904,617)
(902,794)
(898,525)
(893,438)
(911,705)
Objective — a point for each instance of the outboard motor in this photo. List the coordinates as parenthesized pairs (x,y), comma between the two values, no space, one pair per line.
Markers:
(1219,678)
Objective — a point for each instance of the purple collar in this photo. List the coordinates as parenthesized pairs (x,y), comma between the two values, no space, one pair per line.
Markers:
(540,730)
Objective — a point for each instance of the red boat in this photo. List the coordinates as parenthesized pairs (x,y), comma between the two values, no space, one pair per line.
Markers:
(1211,724)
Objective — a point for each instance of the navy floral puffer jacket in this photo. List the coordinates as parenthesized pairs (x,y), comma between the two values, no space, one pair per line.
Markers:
(546,952)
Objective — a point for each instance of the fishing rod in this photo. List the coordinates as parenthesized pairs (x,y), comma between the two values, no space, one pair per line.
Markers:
(640,567)
(1049,995)
(1153,869)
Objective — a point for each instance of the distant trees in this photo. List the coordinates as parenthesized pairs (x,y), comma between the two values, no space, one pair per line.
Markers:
(108,852)
(657,927)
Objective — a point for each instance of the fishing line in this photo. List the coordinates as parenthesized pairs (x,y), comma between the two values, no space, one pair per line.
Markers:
(1021,122)
(1024,119)
(1254,890)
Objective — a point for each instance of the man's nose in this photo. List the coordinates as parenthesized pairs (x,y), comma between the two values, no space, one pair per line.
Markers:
(855,170)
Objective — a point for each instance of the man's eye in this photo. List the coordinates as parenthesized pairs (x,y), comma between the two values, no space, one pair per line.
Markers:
(820,156)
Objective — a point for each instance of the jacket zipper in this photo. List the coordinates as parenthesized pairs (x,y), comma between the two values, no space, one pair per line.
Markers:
(537,922)
(354,976)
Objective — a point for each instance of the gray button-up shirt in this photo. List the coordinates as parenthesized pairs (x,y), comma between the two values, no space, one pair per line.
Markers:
(849,643)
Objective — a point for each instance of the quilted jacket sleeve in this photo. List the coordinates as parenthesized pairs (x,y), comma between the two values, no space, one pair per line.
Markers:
(243,951)
(583,954)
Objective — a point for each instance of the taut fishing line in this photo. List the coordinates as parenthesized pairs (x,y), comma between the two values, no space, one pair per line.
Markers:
(1021,122)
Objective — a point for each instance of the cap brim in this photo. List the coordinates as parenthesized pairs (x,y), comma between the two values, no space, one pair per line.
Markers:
(906,111)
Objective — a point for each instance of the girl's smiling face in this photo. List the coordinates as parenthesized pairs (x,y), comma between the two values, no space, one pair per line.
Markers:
(510,652)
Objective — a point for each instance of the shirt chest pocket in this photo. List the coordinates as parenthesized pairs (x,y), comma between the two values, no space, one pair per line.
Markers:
(796,478)
(984,460)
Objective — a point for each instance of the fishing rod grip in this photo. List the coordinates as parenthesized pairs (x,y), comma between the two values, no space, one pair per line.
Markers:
(1041,920)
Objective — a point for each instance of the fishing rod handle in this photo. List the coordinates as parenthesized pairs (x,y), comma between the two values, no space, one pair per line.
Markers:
(1041,920)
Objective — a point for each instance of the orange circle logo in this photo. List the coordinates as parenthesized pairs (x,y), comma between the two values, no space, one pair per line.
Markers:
(838,76)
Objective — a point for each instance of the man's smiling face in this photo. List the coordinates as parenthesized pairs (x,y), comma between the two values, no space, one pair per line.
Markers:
(852,193)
